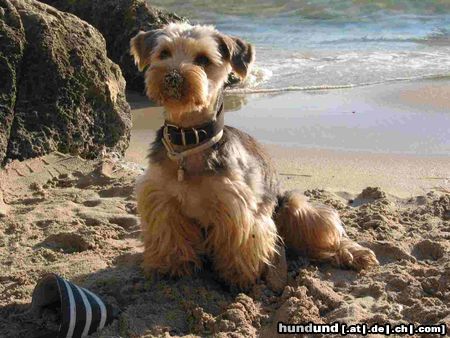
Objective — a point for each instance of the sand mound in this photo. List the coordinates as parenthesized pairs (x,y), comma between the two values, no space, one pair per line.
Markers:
(78,218)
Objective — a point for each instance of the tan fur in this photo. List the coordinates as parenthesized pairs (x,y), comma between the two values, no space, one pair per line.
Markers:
(317,232)
(227,211)
(184,42)
(240,240)
(172,241)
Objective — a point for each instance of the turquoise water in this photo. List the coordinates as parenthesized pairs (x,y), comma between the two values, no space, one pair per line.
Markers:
(302,44)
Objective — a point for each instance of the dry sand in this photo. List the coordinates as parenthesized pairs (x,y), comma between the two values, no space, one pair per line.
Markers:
(78,218)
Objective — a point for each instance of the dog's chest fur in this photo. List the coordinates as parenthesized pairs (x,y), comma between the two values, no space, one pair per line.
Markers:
(234,170)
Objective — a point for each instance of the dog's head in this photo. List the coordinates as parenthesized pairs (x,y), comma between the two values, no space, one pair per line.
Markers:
(187,66)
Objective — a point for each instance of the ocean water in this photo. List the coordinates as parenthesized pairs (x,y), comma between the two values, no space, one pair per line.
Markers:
(351,75)
(308,44)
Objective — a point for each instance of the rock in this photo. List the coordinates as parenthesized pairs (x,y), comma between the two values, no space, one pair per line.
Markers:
(62,92)
(12,38)
(119,21)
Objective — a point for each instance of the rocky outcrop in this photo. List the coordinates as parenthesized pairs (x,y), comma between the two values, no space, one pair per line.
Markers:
(119,21)
(58,89)
(12,38)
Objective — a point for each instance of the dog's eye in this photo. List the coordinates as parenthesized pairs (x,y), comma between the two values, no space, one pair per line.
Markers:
(202,60)
(164,54)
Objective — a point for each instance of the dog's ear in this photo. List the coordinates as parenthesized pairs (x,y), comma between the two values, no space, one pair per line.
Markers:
(239,53)
(142,45)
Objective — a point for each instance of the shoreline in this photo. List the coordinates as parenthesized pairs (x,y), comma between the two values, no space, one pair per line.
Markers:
(347,173)
(343,171)
(402,118)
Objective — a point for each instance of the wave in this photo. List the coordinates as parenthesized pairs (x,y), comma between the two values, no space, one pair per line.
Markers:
(305,45)
(251,90)
(361,10)
(307,9)
(439,36)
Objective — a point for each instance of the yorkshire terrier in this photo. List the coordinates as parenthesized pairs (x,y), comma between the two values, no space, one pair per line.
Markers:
(211,190)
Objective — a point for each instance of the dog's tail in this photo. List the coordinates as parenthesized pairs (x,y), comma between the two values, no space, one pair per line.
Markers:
(317,232)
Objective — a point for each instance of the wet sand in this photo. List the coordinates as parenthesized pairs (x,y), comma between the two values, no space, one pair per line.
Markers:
(398,118)
(396,136)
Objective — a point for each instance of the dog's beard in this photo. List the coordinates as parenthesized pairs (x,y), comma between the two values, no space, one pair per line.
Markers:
(193,95)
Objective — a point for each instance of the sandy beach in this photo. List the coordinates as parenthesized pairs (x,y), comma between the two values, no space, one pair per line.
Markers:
(351,99)
(402,156)
(78,218)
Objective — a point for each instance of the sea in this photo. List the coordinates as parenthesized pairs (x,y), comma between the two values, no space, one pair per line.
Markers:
(353,75)
(302,44)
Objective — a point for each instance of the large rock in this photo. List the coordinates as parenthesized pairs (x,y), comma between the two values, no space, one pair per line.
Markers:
(119,21)
(12,38)
(58,89)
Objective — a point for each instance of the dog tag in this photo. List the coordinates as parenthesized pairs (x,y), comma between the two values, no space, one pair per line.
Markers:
(180,174)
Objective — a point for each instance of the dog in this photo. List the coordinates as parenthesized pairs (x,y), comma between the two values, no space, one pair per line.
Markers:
(211,190)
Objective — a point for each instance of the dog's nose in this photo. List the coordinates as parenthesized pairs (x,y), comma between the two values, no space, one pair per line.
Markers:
(173,84)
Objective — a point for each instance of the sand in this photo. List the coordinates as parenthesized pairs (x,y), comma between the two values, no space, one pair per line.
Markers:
(395,118)
(78,218)
(397,139)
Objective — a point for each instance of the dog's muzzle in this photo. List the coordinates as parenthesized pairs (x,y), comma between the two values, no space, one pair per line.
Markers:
(173,84)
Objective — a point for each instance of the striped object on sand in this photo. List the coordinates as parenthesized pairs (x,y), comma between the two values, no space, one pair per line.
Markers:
(80,312)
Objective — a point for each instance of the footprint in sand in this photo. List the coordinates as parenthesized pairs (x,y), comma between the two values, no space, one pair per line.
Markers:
(428,250)
(68,242)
